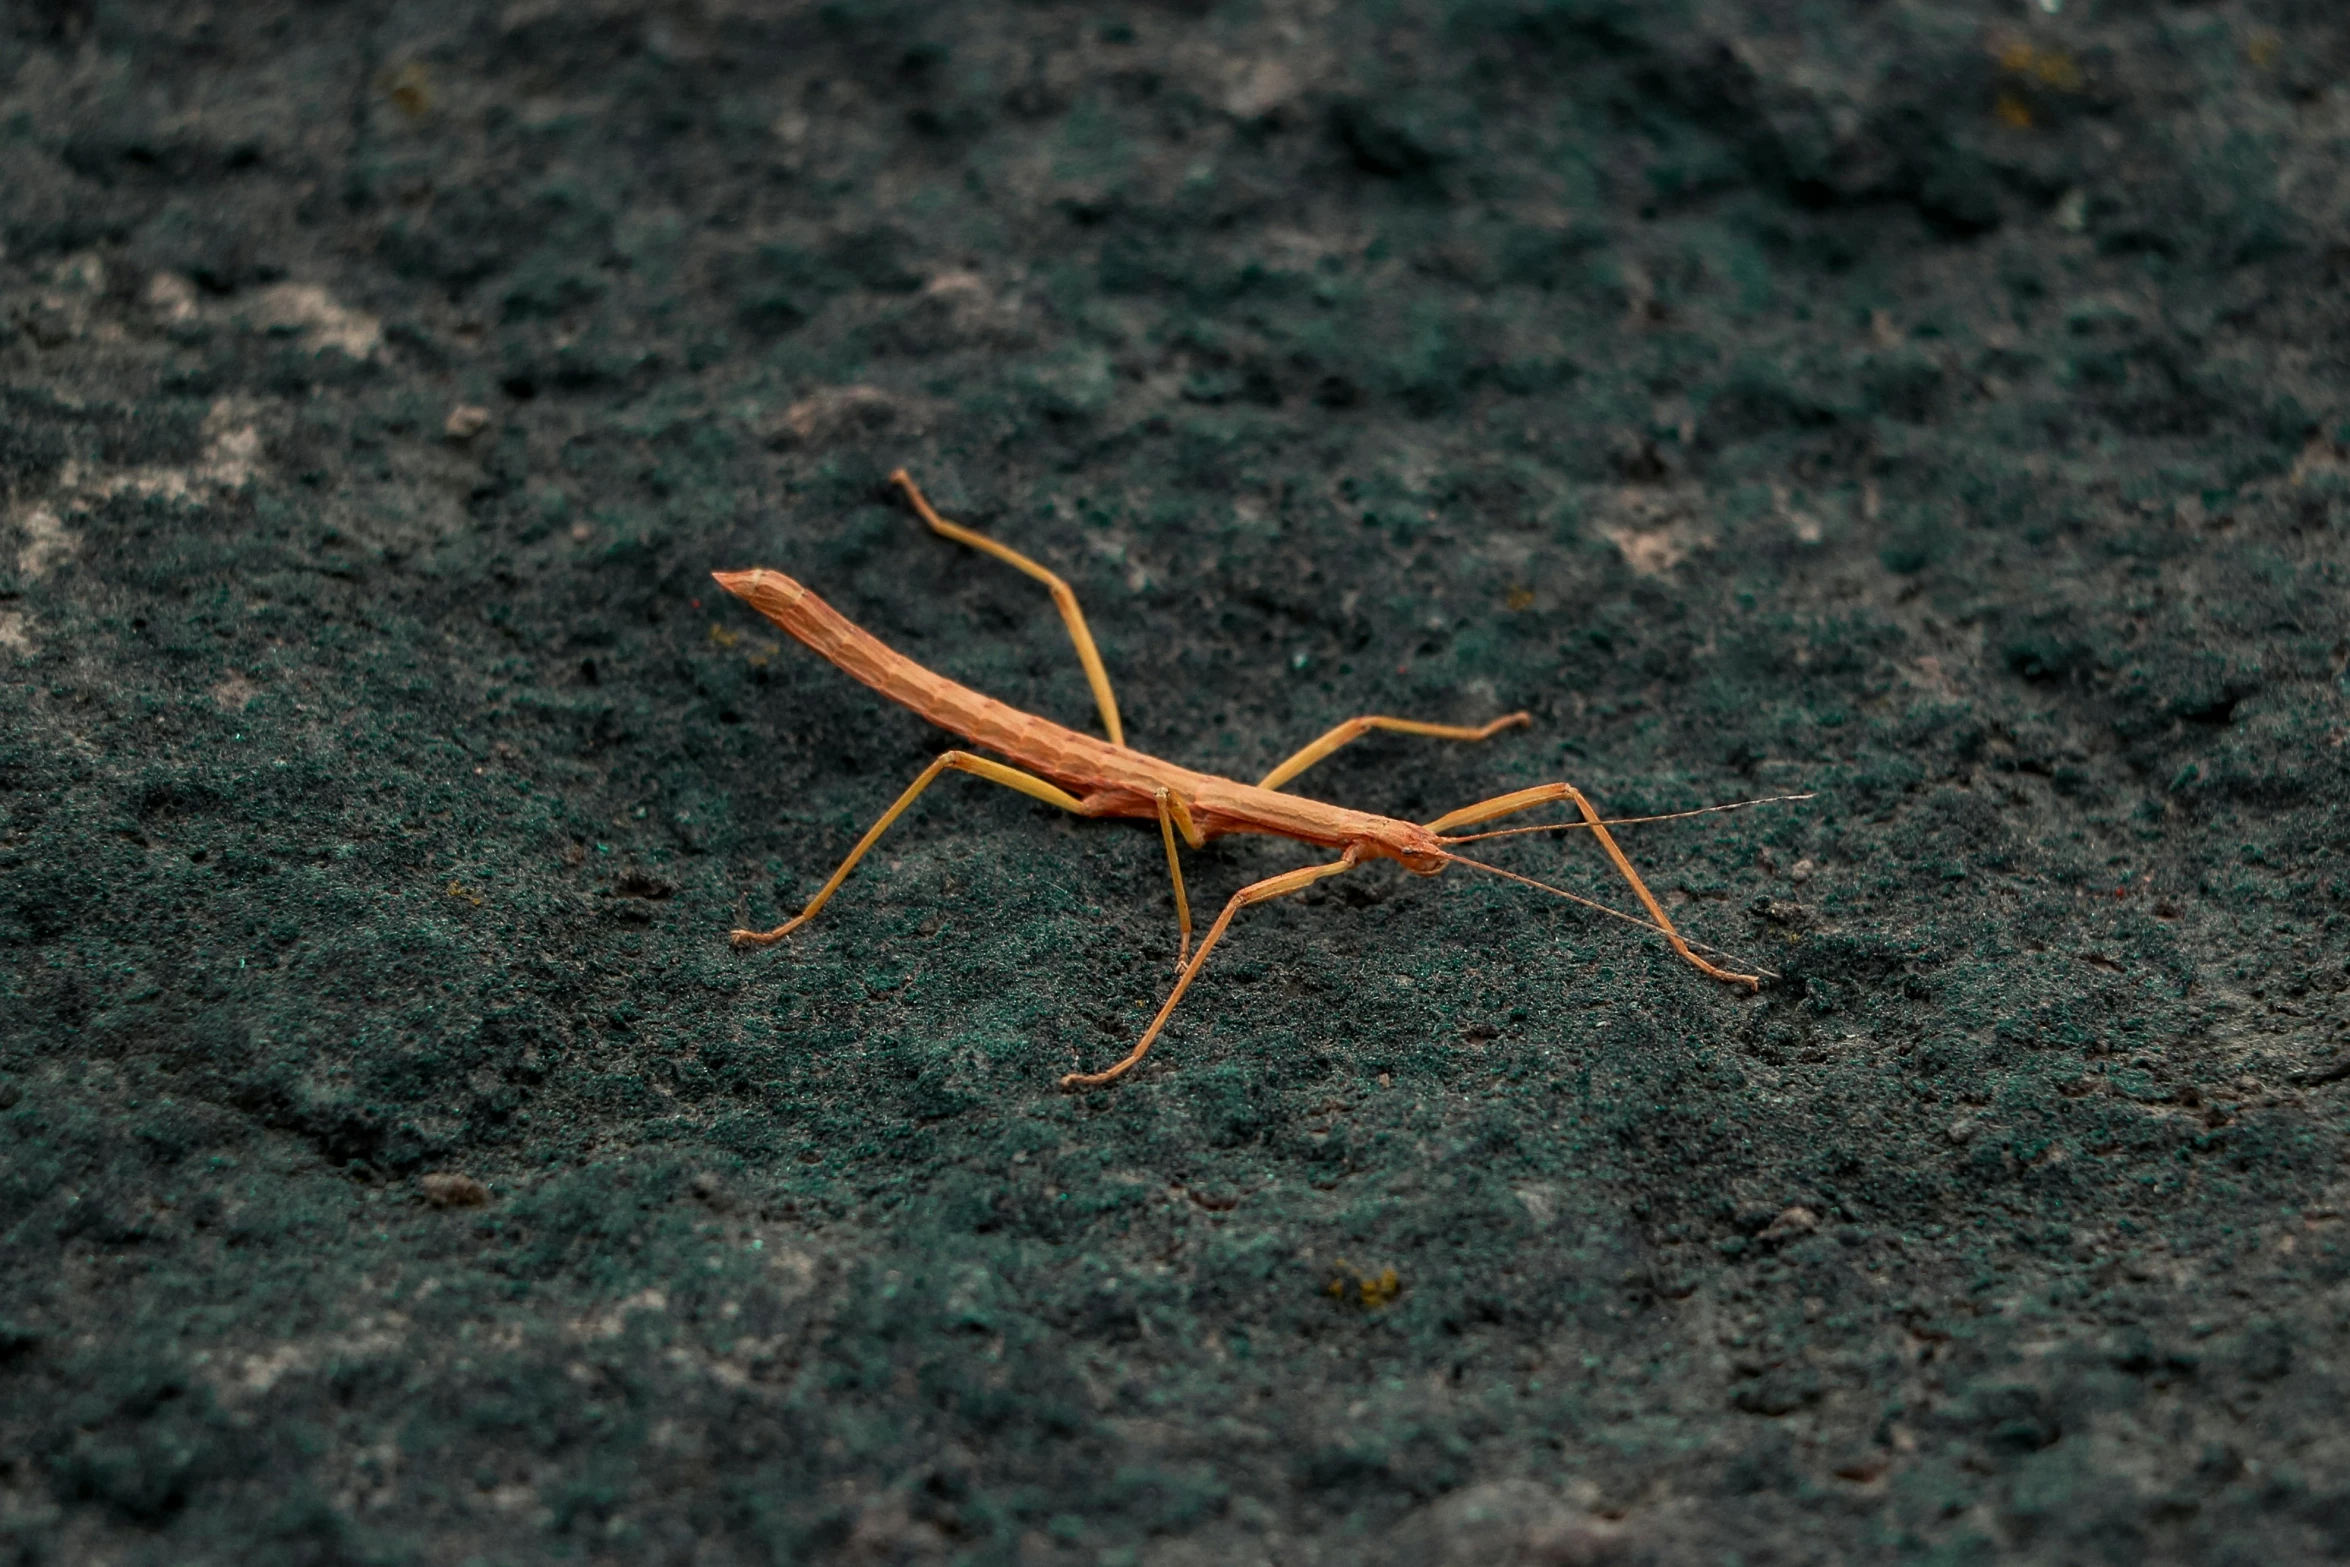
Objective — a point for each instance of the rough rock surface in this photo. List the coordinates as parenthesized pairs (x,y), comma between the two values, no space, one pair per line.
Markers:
(1941,408)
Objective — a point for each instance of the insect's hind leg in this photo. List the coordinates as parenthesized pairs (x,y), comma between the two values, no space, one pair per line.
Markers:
(1064,597)
(957,761)
(1355,728)
(1554,793)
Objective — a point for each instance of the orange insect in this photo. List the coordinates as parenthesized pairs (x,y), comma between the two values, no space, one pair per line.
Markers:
(1093,777)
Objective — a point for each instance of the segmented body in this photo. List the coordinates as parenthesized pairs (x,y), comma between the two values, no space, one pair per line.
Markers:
(1110,780)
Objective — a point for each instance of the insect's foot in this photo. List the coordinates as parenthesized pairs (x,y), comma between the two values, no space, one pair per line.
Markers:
(750,940)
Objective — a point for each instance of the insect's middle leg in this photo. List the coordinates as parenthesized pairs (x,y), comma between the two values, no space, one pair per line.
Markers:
(1174,815)
(1256,892)
(1355,728)
(957,761)
(1555,793)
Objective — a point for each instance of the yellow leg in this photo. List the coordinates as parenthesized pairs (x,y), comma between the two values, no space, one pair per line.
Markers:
(1355,728)
(1173,813)
(958,761)
(1256,892)
(1064,599)
(1547,794)
(1503,805)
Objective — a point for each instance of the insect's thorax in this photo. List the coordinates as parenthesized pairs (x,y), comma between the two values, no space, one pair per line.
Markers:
(1223,805)
(1119,781)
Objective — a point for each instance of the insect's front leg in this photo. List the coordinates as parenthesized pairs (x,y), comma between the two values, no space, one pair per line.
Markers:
(1563,792)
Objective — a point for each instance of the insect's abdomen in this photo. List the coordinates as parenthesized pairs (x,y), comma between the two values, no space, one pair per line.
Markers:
(1045,747)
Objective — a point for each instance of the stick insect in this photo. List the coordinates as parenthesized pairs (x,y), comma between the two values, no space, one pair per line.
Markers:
(1097,778)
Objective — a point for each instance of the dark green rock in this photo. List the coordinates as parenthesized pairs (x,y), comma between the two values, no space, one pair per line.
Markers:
(1936,413)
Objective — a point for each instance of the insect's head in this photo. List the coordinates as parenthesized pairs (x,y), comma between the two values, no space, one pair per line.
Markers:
(1414,848)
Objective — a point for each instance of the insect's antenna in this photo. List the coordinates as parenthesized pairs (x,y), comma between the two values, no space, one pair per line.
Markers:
(1629,821)
(1598,907)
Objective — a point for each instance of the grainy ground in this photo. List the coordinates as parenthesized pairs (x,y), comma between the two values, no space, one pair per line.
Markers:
(1941,407)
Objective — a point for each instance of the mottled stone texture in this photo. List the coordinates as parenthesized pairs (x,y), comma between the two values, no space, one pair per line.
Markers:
(1939,407)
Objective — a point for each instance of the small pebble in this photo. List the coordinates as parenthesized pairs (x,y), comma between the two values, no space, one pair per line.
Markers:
(445,1189)
(466,421)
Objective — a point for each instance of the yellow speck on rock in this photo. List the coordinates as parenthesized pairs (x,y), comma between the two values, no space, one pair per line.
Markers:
(410,89)
(2057,69)
(1368,1290)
